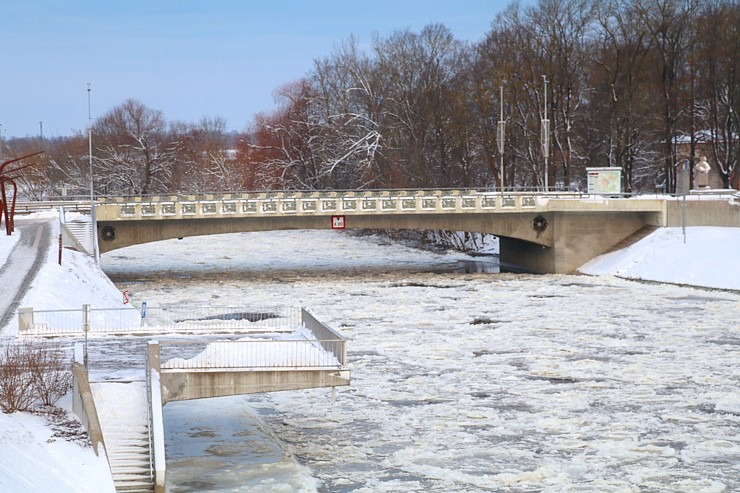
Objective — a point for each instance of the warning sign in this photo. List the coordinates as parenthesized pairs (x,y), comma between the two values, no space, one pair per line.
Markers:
(337,222)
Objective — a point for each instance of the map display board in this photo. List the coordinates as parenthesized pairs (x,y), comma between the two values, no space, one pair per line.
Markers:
(604,181)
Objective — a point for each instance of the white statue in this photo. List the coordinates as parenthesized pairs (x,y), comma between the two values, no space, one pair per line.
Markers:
(701,173)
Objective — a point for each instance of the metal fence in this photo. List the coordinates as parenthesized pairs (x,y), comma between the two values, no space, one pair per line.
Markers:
(252,354)
(156,320)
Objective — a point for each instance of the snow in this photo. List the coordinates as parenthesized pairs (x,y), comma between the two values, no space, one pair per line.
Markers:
(705,259)
(280,351)
(32,461)
(616,396)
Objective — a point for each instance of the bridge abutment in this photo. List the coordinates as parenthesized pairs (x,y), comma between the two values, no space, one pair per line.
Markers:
(577,237)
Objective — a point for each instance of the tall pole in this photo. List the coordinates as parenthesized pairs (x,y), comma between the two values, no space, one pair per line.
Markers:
(545,136)
(500,135)
(89,144)
(1,142)
(90,159)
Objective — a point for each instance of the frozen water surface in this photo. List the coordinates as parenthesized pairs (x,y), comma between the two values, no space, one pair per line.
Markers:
(465,382)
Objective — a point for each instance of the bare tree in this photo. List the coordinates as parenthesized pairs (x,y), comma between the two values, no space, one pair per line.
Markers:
(718,85)
(422,71)
(561,31)
(621,106)
(343,105)
(669,23)
(133,154)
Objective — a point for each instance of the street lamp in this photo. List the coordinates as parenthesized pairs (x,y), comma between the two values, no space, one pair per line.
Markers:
(90,159)
(89,143)
(545,136)
(500,132)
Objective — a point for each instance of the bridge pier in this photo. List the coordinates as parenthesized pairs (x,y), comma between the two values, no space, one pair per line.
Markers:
(576,239)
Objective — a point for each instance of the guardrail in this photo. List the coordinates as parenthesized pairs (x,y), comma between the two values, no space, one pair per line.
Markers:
(147,320)
(27,207)
(252,354)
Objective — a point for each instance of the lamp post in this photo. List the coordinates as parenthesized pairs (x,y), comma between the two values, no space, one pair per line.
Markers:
(89,144)
(545,136)
(500,132)
(90,159)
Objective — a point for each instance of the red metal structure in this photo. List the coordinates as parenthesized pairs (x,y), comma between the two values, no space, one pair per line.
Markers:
(9,177)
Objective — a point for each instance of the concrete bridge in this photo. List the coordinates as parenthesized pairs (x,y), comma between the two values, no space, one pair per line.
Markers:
(539,232)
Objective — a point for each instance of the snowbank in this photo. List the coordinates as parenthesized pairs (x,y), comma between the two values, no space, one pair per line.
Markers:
(33,460)
(708,258)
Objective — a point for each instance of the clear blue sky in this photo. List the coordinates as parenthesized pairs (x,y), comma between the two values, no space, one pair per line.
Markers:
(187,58)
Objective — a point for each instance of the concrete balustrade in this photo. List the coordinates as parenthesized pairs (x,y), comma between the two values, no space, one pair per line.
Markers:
(316,203)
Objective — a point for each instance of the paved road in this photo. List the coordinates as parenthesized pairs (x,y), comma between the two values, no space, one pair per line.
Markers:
(24,262)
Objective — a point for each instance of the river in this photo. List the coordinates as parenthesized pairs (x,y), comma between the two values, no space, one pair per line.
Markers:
(464,382)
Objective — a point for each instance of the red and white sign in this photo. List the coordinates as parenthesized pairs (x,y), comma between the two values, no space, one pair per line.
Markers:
(337,222)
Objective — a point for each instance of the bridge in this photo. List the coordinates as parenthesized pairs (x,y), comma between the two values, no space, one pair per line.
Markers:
(539,232)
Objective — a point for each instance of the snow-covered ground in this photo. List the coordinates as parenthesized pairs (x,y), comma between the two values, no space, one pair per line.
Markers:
(705,257)
(461,382)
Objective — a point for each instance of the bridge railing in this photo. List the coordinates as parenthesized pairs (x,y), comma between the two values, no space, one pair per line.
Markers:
(319,203)
(252,354)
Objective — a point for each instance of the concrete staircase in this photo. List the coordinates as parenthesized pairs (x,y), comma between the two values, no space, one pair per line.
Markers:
(122,410)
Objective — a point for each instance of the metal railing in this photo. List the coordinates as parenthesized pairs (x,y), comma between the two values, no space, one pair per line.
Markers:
(252,354)
(147,320)
(72,205)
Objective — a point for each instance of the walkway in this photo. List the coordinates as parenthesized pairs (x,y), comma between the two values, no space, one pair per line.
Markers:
(22,265)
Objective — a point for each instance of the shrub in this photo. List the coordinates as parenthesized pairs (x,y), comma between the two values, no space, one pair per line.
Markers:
(31,372)
(51,373)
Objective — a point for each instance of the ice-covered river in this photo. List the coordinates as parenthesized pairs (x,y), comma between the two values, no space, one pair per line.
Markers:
(461,382)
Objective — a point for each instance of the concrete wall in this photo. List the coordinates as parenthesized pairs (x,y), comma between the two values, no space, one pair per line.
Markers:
(703,212)
(83,406)
(181,385)
(129,233)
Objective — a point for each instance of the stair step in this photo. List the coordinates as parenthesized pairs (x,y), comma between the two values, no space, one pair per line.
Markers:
(131,476)
(135,487)
(120,466)
(125,460)
(129,452)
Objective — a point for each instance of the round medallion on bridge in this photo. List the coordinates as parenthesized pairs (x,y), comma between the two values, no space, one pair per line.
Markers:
(539,224)
(108,233)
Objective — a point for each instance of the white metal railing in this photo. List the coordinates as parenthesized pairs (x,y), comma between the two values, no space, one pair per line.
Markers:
(144,320)
(252,354)
(325,335)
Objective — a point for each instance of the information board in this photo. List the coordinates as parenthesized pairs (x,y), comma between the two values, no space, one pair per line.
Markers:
(604,181)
